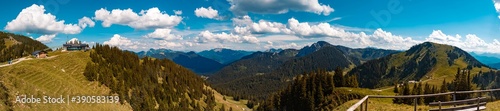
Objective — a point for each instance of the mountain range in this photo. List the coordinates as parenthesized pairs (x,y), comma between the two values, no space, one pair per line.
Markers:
(485,58)
(191,60)
(224,56)
(262,73)
(257,74)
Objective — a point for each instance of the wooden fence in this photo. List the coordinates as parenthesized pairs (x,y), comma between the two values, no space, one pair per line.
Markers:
(364,101)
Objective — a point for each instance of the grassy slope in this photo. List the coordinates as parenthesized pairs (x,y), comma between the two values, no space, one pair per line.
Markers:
(61,75)
(229,102)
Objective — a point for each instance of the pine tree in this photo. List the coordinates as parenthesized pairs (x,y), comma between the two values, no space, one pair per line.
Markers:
(338,78)
(354,81)
(444,89)
(396,90)
(406,91)
(428,90)
(420,92)
(462,83)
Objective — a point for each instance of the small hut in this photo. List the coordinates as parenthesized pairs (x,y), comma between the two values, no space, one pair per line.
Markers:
(39,54)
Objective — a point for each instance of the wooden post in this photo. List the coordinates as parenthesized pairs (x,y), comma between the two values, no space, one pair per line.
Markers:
(478,101)
(366,104)
(454,98)
(415,103)
(439,105)
(491,95)
(361,107)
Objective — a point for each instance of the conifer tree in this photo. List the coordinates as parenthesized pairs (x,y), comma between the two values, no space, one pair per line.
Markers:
(396,90)
(406,91)
(420,100)
(428,90)
(444,89)
(338,78)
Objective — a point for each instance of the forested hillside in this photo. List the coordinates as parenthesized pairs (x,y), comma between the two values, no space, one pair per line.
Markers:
(313,91)
(148,84)
(258,63)
(13,46)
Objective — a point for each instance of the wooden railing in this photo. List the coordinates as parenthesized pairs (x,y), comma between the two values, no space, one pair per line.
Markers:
(365,99)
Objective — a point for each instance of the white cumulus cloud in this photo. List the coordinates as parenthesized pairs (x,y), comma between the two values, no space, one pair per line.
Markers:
(146,19)
(33,19)
(242,7)
(164,34)
(85,21)
(207,36)
(46,38)
(245,26)
(471,42)
(207,13)
(439,36)
(243,20)
(305,30)
(121,42)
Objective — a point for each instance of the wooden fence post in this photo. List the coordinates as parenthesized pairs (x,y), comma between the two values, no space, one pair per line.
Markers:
(415,103)
(366,104)
(454,98)
(361,108)
(491,95)
(439,105)
(478,101)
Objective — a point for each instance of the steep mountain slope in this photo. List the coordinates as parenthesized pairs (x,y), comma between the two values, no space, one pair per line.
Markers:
(424,61)
(257,63)
(224,56)
(62,74)
(261,81)
(190,60)
(14,46)
(365,54)
(327,58)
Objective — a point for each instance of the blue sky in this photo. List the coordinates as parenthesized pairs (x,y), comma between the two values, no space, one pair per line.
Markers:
(472,25)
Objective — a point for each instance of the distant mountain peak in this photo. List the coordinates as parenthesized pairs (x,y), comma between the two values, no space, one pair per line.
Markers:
(313,48)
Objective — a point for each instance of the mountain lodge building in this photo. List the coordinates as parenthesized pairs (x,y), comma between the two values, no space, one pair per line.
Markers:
(75,45)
